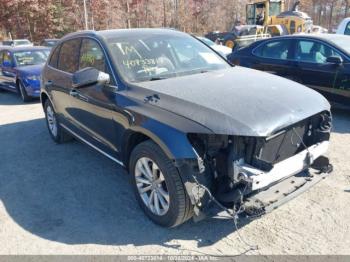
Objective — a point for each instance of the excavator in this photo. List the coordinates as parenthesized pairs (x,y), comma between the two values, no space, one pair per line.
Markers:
(268,18)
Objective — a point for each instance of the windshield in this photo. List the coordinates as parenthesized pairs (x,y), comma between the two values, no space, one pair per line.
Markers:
(32,57)
(342,41)
(206,41)
(154,57)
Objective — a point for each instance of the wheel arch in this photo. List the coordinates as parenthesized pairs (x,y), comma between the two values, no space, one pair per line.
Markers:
(174,144)
(43,98)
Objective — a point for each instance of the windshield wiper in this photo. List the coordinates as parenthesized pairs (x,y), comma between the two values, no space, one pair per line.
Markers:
(156,78)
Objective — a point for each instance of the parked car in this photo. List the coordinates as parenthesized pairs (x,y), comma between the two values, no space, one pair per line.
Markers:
(221,49)
(20,70)
(185,124)
(344,27)
(319,61)
(17,42)
(49,42)
(316,29)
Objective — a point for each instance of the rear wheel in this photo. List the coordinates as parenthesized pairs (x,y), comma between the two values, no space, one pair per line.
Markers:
(158,186)
(22,91)
(230,43)
(58,134)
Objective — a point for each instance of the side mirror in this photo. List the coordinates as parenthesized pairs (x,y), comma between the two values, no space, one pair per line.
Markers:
(337,60)
(6,63)
(89,76)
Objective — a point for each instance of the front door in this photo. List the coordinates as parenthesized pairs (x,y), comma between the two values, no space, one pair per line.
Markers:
(314,70)
(94,106)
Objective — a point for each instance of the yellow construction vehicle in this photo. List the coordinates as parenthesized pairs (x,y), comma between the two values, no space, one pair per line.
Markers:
(265,18)
(272,12)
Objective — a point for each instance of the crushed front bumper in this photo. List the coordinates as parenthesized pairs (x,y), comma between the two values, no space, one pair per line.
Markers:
(259,179)
(267,200)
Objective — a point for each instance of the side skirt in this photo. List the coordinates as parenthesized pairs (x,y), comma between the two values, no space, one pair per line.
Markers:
(91,145)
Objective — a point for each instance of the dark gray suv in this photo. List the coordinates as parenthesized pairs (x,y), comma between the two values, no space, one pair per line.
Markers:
(190,128)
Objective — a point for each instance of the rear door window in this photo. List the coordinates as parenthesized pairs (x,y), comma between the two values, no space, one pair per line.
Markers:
(69,56)
(275,49)
(54,57)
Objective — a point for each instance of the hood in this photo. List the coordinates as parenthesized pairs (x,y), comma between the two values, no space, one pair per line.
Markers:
(31,69)
(223,49)
(237,101)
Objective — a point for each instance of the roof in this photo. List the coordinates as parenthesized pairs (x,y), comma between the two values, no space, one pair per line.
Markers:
(124,32)
(332,39)
(294,13)
(23,48)
(326,37)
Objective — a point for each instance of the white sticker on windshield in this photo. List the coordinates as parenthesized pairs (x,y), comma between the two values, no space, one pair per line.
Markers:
(211,58)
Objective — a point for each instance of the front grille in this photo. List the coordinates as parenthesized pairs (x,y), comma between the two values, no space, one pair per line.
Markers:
(290,141)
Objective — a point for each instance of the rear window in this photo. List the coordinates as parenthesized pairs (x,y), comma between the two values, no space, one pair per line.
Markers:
(69,56)
(274,49)
(7,42)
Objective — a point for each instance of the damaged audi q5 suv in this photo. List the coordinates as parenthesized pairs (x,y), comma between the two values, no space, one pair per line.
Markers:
(190,128)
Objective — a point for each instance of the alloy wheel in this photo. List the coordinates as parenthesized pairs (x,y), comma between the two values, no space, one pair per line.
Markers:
(51,120)
(21,91)
(152,186)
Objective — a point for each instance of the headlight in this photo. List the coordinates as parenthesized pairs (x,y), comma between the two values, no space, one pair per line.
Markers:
(33,77)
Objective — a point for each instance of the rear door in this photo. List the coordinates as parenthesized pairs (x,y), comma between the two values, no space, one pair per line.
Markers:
(276,57)
(58,79)
(313,69)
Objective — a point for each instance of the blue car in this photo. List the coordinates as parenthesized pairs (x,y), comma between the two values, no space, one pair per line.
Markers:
(20,70)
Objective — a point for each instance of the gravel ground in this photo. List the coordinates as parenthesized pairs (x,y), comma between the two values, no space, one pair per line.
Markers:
(69,199)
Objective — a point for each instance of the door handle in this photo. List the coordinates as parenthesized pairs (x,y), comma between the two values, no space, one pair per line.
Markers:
(74,93)
(48,83)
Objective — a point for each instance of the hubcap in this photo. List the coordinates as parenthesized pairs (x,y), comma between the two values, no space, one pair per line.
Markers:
(151,186)
(51,120)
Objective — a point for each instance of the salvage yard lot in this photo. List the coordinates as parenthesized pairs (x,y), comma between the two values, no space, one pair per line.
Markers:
(69,199)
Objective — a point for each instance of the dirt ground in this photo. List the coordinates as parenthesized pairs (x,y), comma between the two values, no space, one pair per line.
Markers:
(69,199)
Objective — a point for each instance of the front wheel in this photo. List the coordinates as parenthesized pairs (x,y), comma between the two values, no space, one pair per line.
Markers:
(158,186)
(22,91)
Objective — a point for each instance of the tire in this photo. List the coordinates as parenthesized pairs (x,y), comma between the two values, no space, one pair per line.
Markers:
(57,133)
(230,43)
(23,93)
(169,183)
